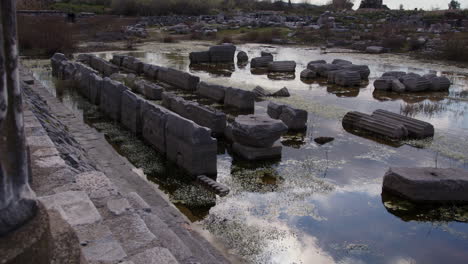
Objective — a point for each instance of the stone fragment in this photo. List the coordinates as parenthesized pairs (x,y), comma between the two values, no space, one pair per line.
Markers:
(308,74)
(294,119)
(369,124)
(151,71)
(363,70)
(240,99)
(261,62)
(428,185)
(260,92)
(117,59)
(257,131)
(255,153)
(438,84)
(130,116)
(111,98)
(222,53)
(282,66)
(348,78)
(211,91)
(274,110)
(341,62)
(415,83)
(133,64)
(323,69)
(242,57)
(323,140)
(200,57)
(416,128)
(384,83)
(313,64)
(103,66)
(266,54)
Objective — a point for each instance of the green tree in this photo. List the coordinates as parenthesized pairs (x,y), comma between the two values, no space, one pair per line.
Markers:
(454,4)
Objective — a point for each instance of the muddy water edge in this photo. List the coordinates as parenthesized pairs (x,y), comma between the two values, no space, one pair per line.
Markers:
(318,203)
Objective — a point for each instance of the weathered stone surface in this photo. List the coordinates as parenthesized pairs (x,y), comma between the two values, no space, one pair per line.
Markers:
(363,70)
(103,66)
(179,79)
(257,131)
(313,64)
(375,49)
(397,86)
(111,98)
(242,57)
(200,57)
(75,207)
(95,184)
(323,69)
(260,92)
(240,99)
(154,118)
(117,59)
(157,255)
(83,77)
(131,231)
(95,87)
(261,62)
(369,124)
(151,71)
(283,92)
(213,185)
(348,78)
(294,119)
(416,128)
(222,53)
(396,74)
(133,64)
(332,76)
(341,62)
(384,83)
(428,185)
(130,116)
(282,66)
(211,91)
(308,74)
(190,146)
(254,153)
(438,84)
(152,91)
(415,83)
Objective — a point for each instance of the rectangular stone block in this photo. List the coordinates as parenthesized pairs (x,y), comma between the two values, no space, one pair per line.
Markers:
(151,71)
(222,53)
(130,116)
(111,98)
(178,79)
(133,64)
(253,153)
(211,91)
(282,66)
(154,118)
(95,87)
(84,78)
(152,91)
(240,99)
(190,146)
(200,57)
(103,66)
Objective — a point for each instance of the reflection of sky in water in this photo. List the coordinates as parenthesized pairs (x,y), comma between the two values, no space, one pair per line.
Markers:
(322,204)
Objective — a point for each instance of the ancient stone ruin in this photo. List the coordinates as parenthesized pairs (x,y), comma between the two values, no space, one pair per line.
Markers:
(400,82)
(339,72)
(216,54)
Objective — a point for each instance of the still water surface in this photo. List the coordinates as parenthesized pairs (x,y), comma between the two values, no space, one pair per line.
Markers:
(318,204)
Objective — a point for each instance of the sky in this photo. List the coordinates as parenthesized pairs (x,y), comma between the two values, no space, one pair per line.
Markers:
(408,4)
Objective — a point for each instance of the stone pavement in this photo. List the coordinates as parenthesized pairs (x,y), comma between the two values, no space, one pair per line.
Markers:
(118,216)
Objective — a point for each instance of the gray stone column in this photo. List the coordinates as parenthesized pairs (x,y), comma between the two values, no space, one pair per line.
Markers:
(17,200)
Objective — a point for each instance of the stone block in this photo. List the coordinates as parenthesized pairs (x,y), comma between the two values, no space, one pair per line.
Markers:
(242,57)
(103,66)
(200,57)
(312,65)
(151,71)
(415,83)
(207,117)
(384,83)
(55,63)
(363,70)
(152,91)
(111,98)
(397,86)
(131,231)
(257,131)
(222,53)
(308,74)
(428,185)
(178,79)
(396,74)
(133,64)
(348,78)
(416,128)
(117,59)
(374,126)
(341,62)
(240,99)
(282,66)
(274,110)
(118,206)
(95,87)
(253,153)
(131,111)
(323,69)
(261,62)
(293,118)
(157,255)
(211,91)
(190,146)
(154,118)
(438,84)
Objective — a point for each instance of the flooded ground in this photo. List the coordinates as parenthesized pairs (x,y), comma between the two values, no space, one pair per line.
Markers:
(317,204)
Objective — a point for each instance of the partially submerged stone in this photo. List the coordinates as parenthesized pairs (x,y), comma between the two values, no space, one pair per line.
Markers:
(179,79)
(199,57)
(416,128)
(428,185)
(261,62)
(254,153)
(257,131)
(283,92)
(260,92)
(348,78)
(282,66)
(293,118)
(374,126)
(308,74)
(415,83)
(211,91)
(384,83)
(222,53)
(242,57)
(240,99)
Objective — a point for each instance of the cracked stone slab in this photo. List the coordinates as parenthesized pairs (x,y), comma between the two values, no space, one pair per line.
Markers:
(75,207)
(131,231)
(156,255)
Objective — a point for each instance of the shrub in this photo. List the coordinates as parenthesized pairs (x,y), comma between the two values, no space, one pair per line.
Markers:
(455,49)
(46,35)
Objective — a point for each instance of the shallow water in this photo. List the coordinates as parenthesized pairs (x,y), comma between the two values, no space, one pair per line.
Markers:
(317,204)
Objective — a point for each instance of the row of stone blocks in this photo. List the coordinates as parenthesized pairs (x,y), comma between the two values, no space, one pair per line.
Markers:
(340,72)
(99,64)
(216,54)
(399,82)
(386,124)
(184,142)
(231,97)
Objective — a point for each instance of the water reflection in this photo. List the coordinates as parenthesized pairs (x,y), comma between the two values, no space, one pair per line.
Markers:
(215,70)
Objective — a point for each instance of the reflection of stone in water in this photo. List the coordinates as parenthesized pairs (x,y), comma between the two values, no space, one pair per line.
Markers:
(294,139)
(426,108)
(409,97)
(343,91)
(380,140)
(281,76)
(408,211)
(224,70)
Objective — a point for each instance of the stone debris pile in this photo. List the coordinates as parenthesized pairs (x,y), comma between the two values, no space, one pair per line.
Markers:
(428,185)
(386,124)
(339,72)
(256,137)
(400,82)
(216,54)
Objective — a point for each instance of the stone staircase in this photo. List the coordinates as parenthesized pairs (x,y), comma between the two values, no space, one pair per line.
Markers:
(98,193)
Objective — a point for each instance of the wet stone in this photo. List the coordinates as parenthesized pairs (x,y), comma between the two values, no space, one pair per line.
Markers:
(211,91)
(308,74)
(255,153)
(130,116)
(323,140)
(242,56)
(240,99)
(257,131)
